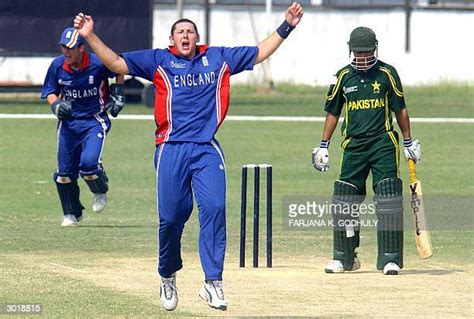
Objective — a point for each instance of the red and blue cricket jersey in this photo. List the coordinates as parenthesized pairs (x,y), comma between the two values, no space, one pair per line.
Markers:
(81,138)
(87,87)
(191,101)
(192,96)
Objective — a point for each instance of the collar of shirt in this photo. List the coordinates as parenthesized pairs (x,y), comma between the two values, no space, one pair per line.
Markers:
(84,64)
(201,49)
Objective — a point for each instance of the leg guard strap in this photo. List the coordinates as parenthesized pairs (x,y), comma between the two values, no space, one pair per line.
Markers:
(69,192)
(98,183)
(345,212)
(389,207)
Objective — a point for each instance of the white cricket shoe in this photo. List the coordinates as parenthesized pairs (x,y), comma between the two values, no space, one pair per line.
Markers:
(69,220)
(391,269)
(335,266)
(99,203)
(169,293)
(213,293)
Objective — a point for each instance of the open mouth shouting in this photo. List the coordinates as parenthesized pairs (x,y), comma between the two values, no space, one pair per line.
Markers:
(185,45)
(185,38)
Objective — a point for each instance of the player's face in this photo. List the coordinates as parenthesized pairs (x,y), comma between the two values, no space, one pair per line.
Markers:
(363,60)
(72,56)
(185,39)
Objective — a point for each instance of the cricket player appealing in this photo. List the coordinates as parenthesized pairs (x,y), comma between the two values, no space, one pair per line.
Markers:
(76,87)
(191,101)
(366,92)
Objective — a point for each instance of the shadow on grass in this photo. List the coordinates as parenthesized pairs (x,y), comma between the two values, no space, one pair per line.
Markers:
(435,272)
(117,226)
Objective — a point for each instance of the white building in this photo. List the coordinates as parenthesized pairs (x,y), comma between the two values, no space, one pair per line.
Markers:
(441,43)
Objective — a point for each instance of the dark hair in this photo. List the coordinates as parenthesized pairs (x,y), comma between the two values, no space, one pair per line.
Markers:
(173,27)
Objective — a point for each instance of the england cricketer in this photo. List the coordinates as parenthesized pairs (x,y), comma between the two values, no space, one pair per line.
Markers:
(76,87)
(192,84)
(366,92)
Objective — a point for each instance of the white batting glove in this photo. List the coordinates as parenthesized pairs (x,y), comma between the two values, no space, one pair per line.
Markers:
(320,156)
(412,149)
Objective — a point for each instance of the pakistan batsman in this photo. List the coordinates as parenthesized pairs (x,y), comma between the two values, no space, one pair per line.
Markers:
(367,91)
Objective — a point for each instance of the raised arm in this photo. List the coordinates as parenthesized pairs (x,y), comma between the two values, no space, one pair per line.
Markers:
(293,16)
(85,26)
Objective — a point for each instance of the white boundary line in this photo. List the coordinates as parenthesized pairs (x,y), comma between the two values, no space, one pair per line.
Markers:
(249,118)
(65,267)
(436,267)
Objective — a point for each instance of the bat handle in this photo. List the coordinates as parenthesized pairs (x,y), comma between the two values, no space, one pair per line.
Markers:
(412,170)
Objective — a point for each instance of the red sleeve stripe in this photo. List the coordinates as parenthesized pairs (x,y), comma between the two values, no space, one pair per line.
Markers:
(163,112)
(222,94)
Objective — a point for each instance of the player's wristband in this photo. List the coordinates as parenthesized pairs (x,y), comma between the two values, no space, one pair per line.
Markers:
(284,29)
(407,142)
(324,144)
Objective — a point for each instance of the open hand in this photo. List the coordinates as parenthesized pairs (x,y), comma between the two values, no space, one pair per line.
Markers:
(294,13)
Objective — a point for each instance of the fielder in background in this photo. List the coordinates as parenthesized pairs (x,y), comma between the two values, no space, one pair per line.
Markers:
(192,97)
(366,92)
(76,87)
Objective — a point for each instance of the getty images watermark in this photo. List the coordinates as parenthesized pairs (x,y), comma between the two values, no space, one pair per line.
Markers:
(310,212)
(315,212)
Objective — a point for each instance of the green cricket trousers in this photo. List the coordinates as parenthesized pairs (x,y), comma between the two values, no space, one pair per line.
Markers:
(378,154)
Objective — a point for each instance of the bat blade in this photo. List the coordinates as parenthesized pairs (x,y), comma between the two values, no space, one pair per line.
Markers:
(422,234)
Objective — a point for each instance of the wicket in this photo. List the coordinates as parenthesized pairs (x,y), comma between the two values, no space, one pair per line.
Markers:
(256,213)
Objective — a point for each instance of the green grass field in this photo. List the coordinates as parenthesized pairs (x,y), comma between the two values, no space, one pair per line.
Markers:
(107,266)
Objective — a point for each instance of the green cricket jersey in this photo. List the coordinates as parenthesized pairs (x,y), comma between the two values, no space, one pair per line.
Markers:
(366,99)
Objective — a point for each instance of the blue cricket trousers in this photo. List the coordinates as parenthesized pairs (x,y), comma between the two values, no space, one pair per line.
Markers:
(184,169)
(80,145)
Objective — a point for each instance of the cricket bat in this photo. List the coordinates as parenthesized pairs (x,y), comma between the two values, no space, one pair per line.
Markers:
(422,234)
